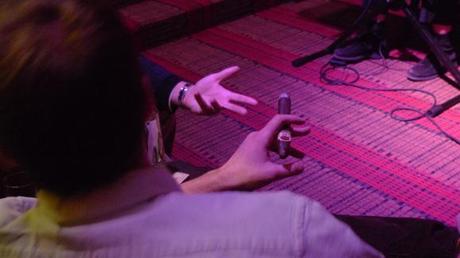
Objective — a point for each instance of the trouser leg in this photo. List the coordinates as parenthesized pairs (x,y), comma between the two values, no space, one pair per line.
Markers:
(405,237)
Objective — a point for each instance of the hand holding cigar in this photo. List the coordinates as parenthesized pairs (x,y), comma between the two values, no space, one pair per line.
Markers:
(284,136)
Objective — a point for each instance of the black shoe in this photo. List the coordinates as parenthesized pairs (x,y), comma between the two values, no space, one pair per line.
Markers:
(367,45)
(356,51)
(430,68)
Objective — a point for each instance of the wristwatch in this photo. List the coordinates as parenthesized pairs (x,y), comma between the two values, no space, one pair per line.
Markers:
(182,92)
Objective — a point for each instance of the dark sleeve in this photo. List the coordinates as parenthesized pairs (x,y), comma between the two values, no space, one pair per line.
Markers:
(162,82)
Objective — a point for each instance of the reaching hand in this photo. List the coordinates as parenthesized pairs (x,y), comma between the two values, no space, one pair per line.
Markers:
(251,164)
(208,96)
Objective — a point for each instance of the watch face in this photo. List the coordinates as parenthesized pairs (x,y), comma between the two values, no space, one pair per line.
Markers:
(182,93)
(284,136)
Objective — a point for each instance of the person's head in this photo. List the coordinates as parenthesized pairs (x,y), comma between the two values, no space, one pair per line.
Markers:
(71,98)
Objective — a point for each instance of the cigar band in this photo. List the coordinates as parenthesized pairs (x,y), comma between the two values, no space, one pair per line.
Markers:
(284,136)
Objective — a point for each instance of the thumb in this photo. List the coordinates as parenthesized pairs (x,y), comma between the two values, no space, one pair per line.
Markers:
(295,167)
(288,169)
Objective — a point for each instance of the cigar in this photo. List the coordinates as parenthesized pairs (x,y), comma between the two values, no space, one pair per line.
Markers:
(284,136)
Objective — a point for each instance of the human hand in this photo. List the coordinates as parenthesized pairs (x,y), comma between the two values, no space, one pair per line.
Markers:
(208,96)
(250,165)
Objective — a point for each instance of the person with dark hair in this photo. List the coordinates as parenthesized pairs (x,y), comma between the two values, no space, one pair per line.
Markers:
(72,113)
(439,15)
(165,93)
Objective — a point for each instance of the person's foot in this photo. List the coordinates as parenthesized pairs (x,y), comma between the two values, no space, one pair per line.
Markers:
(368,45)
(356,51)
(430,68)
(427,69)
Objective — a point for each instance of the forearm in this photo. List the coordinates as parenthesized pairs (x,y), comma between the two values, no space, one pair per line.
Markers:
(212,181)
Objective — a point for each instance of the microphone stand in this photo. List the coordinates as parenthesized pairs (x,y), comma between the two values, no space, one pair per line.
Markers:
(421,31)
(330,49)
(327,51)
(340,40)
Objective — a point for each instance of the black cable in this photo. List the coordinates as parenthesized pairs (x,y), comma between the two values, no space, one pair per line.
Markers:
(328,67)
(324,77)
(384,63)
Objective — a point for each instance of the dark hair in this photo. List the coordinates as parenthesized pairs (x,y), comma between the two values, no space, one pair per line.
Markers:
(71,99)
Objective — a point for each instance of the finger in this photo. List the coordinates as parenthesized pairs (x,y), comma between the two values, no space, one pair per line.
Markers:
(205,107)
(219,76)
(299,131)
(295,167)
(288,169)
(235,108)
(216,106)
(235,97)
(275,124)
